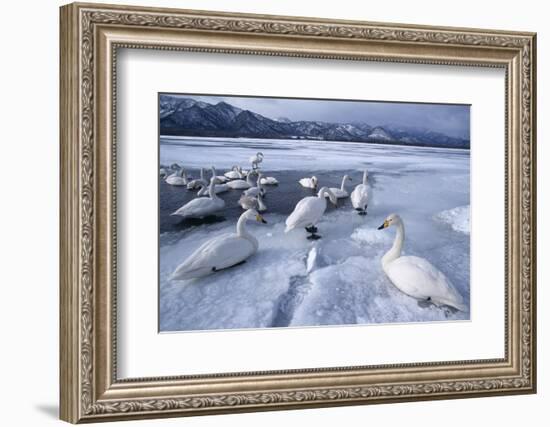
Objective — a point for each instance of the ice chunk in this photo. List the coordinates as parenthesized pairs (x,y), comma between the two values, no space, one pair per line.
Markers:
(458,218)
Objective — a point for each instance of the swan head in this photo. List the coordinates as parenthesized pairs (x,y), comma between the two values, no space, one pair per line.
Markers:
(392,219)
(314,180)
(260,154)
(347,178)
(254,215)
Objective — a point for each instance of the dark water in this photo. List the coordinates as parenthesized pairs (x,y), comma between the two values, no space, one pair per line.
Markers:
(280,199)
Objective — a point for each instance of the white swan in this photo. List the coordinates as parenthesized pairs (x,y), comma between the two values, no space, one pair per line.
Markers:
(258,189)
(341,193)
(360,195)
(220,178)
(309,182)
(234,173)
(163,173)
(309,211)
(196,183)
(179,178)
(202,206)
(221,252)
(416,276)
(269,180)
(256,159)
(218,188)
(241,184)
(251,202)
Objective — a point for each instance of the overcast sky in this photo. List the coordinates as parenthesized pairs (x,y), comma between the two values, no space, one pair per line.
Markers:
(453,120)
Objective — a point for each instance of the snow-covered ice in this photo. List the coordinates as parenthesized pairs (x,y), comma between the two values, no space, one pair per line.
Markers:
(337,280)
(458,218)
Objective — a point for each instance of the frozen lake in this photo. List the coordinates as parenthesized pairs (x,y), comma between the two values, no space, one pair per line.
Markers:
(337,280)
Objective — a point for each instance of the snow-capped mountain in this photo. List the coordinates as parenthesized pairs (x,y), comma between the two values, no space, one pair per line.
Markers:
(186,116)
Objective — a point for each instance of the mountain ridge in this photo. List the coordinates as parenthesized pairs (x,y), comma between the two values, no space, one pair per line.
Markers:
(185,116)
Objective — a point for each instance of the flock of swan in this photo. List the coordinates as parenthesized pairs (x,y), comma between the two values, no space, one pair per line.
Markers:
(412,275)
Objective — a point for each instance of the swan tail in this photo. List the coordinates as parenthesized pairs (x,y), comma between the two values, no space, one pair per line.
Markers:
(191,274)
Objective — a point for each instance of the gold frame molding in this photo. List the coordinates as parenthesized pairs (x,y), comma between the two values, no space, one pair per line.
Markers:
(90,37)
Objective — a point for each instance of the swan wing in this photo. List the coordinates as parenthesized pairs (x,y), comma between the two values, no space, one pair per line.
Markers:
(254,191)
(306,182)
(200,206)
(307,212)
(220,188)
(360,196)
(418,278)
(239,184)
(216,254)
(269,181)
(175,180)
(338,193)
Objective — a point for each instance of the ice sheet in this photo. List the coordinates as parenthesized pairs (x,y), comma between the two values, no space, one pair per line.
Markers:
(292,281)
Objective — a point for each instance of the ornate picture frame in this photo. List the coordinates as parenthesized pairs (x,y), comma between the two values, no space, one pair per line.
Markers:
(90,37)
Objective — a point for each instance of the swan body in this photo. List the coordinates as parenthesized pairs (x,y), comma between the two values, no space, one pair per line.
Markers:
(234,173)
(416,276)
(251,202)
(196,183)
(178,179)
(257,190)
(256,159)
(202,206)
(248,202)
(163,173)
(224,251)
(309,182)
(241,184)
(309,211)
(360,195)
(218,188)
(341,193)
(220,178)
(269,180)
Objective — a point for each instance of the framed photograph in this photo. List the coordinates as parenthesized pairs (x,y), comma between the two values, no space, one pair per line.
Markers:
(266,212)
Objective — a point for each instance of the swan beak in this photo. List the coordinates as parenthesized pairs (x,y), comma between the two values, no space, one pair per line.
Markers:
(260,218)
(385,225)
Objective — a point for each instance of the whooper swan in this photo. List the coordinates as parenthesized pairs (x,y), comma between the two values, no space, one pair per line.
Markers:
(360,195)
(309,211)
(416,276)
(221,252)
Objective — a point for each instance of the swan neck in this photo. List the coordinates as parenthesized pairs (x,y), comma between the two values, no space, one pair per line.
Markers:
(365,178)
(243,232)
(211,189)
(343,186)
(395,251)
(202,173)
(261,203)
